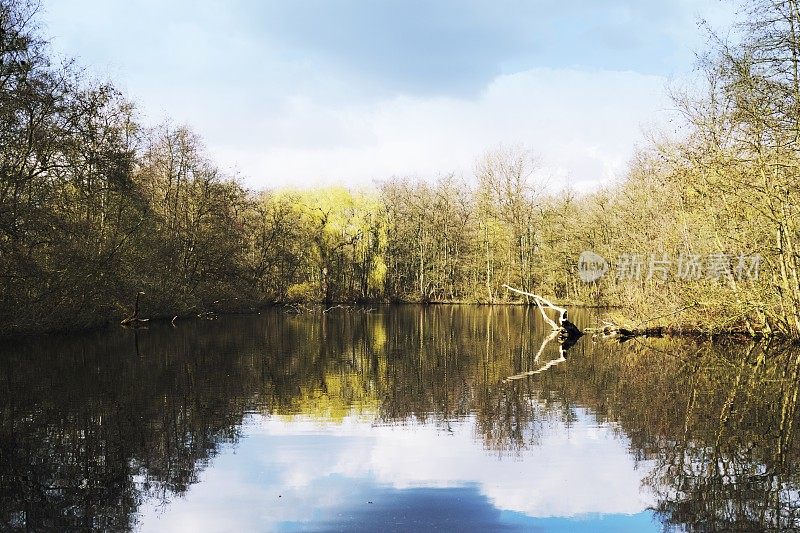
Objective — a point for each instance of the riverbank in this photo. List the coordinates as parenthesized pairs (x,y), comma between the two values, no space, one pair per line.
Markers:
(628,319)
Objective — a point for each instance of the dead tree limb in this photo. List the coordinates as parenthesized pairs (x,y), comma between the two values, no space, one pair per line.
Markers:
(567,330)
(135,321)
(541,303)
(611,330)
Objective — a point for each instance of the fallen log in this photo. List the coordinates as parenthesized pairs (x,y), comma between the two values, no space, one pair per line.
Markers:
(613,331)
(567,331)
(135,321)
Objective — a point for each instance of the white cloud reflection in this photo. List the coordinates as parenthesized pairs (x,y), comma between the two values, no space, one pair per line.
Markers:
(304,471)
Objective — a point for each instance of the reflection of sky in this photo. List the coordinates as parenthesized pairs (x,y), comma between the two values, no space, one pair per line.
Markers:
(305,475)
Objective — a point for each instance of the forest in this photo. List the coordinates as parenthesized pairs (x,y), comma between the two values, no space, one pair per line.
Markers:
(96,206)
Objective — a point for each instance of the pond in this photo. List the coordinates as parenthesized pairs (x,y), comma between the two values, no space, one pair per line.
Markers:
(394,418)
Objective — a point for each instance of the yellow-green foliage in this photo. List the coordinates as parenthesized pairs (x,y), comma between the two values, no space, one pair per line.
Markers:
(79,240)
(302,292)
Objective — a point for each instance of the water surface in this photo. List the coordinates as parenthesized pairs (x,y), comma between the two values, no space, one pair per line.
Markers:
(394,418)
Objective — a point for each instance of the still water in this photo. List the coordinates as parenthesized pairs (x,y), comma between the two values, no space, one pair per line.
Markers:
(394,418)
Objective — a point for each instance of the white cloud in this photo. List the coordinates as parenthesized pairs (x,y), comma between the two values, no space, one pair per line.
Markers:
(583,125)
(294,105)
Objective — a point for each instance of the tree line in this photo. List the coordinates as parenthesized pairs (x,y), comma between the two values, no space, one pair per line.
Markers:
(96,206)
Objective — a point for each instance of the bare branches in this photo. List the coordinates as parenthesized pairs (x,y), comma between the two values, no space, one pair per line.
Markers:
(541,303)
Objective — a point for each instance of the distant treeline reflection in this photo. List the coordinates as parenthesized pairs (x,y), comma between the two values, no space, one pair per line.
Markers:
(94,425)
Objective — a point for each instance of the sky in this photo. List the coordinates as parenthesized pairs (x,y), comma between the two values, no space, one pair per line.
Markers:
(306,93)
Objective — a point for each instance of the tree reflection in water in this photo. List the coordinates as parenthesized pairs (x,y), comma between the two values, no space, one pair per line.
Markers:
(93,425)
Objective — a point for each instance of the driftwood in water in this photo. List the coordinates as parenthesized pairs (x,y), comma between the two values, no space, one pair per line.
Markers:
(614,331)
(567,331)
(135,321)
(611,330)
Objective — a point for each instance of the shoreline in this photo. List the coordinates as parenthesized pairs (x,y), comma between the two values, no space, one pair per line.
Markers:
(675,330)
